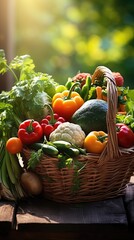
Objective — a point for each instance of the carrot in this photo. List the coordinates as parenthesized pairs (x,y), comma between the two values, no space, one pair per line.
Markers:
(122,113)
(99,92)
(125,98)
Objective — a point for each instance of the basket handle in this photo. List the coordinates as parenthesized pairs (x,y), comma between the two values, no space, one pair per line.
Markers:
(111,150)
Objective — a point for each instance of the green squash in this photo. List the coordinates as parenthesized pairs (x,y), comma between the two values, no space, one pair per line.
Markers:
(91,116)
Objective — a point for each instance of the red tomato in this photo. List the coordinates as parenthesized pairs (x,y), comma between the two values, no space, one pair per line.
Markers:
(14,145)
(118,79)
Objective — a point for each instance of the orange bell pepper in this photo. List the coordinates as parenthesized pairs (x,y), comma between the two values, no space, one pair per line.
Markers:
(66,103)
(95,141)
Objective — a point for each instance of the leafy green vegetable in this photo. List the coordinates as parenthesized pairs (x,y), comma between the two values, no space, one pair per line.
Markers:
(131,94)
(130,102)
(24,65)
(31,89)
(27,103)
(3,62)
(9,122)
(129,118)
(45,83)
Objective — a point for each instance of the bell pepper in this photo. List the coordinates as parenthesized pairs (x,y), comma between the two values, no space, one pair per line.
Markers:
(95,141)
(125,135)
(51,121)
(81,77)
(84,80)
(30,131)
(85,89)
(67,102)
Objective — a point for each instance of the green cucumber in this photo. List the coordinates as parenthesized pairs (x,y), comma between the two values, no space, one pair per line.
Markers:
(71,152)
(46,148)
(66,147)
(61,144)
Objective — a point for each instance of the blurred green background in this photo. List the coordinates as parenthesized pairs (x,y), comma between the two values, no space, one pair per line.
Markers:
(67,36)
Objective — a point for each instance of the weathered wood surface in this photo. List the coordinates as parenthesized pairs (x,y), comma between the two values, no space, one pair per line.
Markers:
(6,215)
(37,218)
(76,221)
(129,204)
(41,211)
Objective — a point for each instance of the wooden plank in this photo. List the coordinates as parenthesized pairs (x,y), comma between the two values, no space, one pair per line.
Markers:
(129,204)
(6,216)
(41,213)
(103,234)
(43,219)
(132,179)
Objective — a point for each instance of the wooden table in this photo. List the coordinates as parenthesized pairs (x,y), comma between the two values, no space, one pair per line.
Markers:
(35,218)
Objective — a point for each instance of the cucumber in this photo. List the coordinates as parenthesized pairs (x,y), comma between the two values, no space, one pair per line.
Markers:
(72,152)
(61,144)
(46,148)
(66,147)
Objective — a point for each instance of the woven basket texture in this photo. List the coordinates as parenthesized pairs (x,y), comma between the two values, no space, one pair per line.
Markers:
(103,176)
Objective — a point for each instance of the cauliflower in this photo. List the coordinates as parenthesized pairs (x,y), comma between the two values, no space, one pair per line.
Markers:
(69,132)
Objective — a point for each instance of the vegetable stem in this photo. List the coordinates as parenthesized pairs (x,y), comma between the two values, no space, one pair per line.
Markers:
(29,129)
(71,89)
(12,73)
(52,120)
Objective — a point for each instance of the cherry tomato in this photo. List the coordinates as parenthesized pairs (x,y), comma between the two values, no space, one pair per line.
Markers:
(14,145)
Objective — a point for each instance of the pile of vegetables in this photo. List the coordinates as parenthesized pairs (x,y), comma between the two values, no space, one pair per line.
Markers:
(38,113)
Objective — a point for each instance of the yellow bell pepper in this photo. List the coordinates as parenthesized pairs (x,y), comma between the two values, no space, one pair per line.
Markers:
(95,141)
(66,103)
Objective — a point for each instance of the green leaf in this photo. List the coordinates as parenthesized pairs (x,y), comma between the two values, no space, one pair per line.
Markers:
(62,161)
(44,82)
(4,106)
(24,64)
(130,102)
(8,121)
(3,62)
(19,61)
(69,162)
(34,159)
(131,94)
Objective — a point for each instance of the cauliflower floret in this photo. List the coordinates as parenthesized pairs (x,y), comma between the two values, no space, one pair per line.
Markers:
(70,132)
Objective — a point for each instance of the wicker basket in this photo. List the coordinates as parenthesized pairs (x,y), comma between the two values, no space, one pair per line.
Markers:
(103,176)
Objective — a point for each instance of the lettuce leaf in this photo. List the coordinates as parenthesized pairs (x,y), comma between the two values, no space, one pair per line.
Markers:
(130,102)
